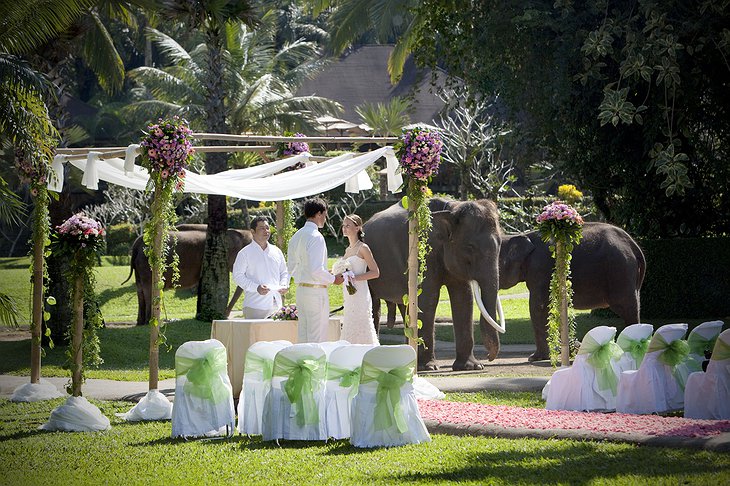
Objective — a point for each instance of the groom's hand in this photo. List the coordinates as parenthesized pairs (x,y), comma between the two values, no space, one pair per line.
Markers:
(262,289)
(338,279)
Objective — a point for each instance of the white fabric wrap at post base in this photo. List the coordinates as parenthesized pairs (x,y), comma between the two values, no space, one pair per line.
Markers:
(35,392)
(153,406)
(77,414)
(425,390)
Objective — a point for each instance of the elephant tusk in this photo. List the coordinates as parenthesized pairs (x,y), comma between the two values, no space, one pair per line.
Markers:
(478,298)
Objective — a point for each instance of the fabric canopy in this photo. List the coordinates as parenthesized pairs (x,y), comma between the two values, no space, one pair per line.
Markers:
(260,183)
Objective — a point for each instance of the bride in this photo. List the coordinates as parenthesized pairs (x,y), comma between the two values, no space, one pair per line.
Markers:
(359,264)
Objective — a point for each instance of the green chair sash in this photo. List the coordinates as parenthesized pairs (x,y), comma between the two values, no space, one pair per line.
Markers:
(635,347)
(720,351)
(599,357)
(304,377)
(205,375)
(255,362)
(671,355)
(388,410)
(348,378)
(698,344)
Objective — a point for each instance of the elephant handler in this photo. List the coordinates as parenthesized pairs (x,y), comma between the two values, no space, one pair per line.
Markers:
(308,266)
(260,270)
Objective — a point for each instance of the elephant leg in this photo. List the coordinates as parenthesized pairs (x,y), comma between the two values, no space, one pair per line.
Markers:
(427,303)
(376,313)
(141,306)
(627,308)
(391,314)
(462,307)
(539,300)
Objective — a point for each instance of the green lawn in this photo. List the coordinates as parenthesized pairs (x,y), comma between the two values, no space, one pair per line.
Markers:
(144,453)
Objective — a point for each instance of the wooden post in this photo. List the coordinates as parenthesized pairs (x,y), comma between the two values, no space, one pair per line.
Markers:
(36,328)
(78,336)
(280,224)
(155,295)
(413,277)
(562,279)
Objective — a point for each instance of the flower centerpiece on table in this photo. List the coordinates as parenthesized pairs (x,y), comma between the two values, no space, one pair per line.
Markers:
(348,275)
(561,227)
(286,313)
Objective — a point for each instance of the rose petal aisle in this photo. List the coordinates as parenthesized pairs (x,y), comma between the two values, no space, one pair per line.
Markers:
(603,425)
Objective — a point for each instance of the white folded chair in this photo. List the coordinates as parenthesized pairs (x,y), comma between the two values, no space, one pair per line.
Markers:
(203,405)
(590,383)
(702,338)
(343,378)
(330,346)
(257,374)
(653,388)
(385,411)
(707,395)
(633,341)
(294,407)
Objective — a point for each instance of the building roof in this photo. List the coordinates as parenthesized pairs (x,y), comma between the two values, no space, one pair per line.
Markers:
(361,76)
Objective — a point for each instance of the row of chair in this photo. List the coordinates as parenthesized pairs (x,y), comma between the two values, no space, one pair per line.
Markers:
(641,373)
(302,392)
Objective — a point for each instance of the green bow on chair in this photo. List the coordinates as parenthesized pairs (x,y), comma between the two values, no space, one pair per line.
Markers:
(388,408)
(721,351)
(205,375)
(303,380)
(600,356)
(348,378)
(697,347)
(635,347)
(255,363)
(672,355)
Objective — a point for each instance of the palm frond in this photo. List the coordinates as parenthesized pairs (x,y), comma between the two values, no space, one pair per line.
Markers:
(16,73)
(402,49)
(12,208)
(102,57)
(173,52)
(8,311)
(162,85)
(348,22)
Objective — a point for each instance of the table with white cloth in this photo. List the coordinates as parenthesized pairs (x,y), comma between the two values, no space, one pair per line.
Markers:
(238,334)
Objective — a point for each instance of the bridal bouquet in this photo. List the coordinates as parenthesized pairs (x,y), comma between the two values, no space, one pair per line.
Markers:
(286,313)
(340,266)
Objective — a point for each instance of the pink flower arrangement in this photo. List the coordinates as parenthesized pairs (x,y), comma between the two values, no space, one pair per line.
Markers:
(81,229)
(167,149)
(420,153)
(30,172)
(286,313)
(560,211)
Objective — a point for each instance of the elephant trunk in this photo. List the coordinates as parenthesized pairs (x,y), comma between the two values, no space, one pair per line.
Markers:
(489,305)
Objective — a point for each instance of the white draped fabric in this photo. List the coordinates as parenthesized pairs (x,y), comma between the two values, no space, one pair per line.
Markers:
(35,392)
(153,406)
(261,183)
(77,414)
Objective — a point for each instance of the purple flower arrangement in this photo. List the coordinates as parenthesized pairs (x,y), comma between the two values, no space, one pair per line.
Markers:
(560,211)
(286,313)
(295,148)
(81,229)
(419,153)
(32,173)
(167,149)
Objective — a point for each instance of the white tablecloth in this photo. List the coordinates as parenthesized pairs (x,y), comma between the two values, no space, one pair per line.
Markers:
(238,334)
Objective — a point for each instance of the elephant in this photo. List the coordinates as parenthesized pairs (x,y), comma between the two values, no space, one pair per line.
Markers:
(190,247)
(465,242)
(607,270)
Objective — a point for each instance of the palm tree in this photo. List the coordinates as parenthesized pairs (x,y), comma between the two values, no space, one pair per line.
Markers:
(386,119)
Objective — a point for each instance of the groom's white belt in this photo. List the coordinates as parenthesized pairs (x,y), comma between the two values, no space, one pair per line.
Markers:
(314,286)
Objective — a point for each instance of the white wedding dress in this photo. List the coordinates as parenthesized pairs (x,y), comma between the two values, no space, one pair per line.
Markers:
(357,323)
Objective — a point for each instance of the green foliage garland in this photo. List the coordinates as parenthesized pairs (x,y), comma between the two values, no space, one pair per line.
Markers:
(562,228)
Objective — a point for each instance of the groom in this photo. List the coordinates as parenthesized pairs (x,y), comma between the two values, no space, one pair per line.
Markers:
(307,262)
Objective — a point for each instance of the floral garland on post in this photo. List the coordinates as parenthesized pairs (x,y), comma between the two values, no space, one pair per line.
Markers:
(286,149)
(167,150)
(35,170)
(561,227)
(80,240)
(419,153)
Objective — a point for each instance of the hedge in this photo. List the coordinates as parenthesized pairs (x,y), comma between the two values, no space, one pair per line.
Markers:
(119,239)
(686,277)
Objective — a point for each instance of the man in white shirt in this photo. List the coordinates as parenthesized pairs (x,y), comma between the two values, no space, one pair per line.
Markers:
(260,270)
(308,266)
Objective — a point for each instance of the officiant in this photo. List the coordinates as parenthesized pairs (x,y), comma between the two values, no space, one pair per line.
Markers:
(261,271)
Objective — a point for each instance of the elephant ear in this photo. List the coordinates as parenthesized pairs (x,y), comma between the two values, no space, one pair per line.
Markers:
(444,223)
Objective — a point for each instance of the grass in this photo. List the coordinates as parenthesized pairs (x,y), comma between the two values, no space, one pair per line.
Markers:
(144,453)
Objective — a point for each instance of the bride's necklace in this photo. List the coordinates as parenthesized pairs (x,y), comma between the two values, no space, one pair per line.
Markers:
(354,249)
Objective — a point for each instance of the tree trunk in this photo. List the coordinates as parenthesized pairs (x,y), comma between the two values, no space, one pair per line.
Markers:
(77,344)
(214,285)
(413,277)
(37,324)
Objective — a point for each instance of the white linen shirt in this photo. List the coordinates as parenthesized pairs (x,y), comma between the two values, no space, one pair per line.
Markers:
(307,258)
(255,266)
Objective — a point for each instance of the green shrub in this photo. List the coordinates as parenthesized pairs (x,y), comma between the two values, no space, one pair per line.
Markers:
(686,277)
(119,239)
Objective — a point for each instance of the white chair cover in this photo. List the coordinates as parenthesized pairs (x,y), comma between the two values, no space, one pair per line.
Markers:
(294,407)
(385,412)
(203,404)
(590,384)
(256,384)
(633,341)
(330,346)
(702,338)
(653,388)
(343,378)
(707,395)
